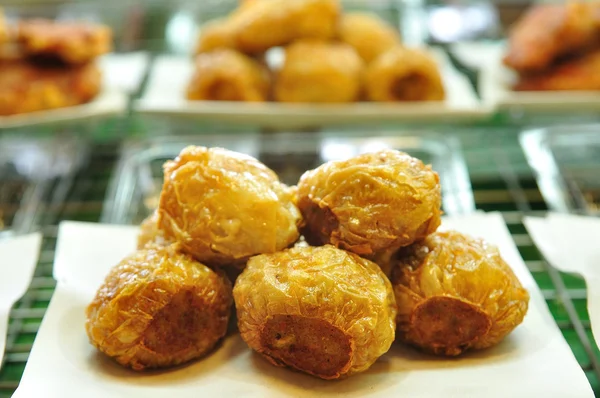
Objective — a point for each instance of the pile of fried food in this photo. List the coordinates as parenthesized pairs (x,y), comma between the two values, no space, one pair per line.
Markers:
(330,57)
(556,47)
(47,64)
(371,270)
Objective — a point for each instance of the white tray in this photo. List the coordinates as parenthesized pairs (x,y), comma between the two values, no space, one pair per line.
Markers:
(534,361)
(165,95)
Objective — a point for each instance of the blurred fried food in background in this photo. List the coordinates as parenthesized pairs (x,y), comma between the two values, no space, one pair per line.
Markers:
(368,34)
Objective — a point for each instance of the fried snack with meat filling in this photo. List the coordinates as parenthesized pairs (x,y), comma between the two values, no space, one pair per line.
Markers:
(227,75)
(368,34)
(549,31)
(27,87)
(576,74)
(72,42)
(159,308)
(371,203)
(262,24)
(319,72)
(225,207)
(150,233)
(456,293)
(319,310)
(404,74)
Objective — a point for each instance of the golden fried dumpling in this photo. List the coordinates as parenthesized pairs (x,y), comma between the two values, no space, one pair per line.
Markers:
(216,34)
(262,24)
(224,207)
(317,71)
(404,74)
(455,293)
(319,310)
(227,75)
(159,308)
(150,233)
(368,34)
(370,203)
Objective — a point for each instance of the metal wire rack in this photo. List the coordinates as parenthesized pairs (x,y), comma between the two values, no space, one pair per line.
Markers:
(501,180)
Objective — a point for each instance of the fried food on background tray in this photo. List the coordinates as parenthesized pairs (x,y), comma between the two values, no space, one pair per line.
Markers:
(319,310)
(28,87)
(549,31)
(404,74)
(368,34)
(455,293)
(581,73)
(216,34)
(370,203)
(224,207)
(3,27)
(227,75)
(316,71)
(159,308)
(262,24)
(72,42)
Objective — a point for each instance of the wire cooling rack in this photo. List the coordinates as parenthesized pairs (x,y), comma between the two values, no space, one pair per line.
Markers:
(501,180)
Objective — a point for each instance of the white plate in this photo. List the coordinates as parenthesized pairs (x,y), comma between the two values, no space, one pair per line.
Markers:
(496,80)
(165,95)
(121,74)
(534,361)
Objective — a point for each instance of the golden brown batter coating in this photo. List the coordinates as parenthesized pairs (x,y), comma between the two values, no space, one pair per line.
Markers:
(262,24)
(404,74)
(370,203)
(227,75)
(456,293)
(27,87)
(224,207)
(73,42)
(150,233)
(368,34)
(323,72)
(216,34)
(159,308)
(319,310)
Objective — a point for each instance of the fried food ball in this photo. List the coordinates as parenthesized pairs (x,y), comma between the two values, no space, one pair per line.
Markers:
(227,75)
(224,206)
(404,74)
(316,71)
(73,42)
(456,293)
(370,203)
(262,24)
(150,233)
(28,87)
(368,34)
(159,308)
(319,310)
(216,34)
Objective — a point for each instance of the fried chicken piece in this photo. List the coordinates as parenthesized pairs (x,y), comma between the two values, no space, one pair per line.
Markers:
(72,42)
(319,310)
(549,31)
(404,74)
(224,207)
(581,73)
(370,203)
(316,71)
(368,34)
(27,87)
(262,24)
(455,293)
(227,75)
(159,308)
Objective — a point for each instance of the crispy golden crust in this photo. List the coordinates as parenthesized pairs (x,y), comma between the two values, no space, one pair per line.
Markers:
(455,293)
(150,233)
(368,34)
(316,71)
(227,75)
(404,74)
(26,87)
(262,24)
(373,202)
(319,310)
(159,308)
(73,42)
(225,207)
